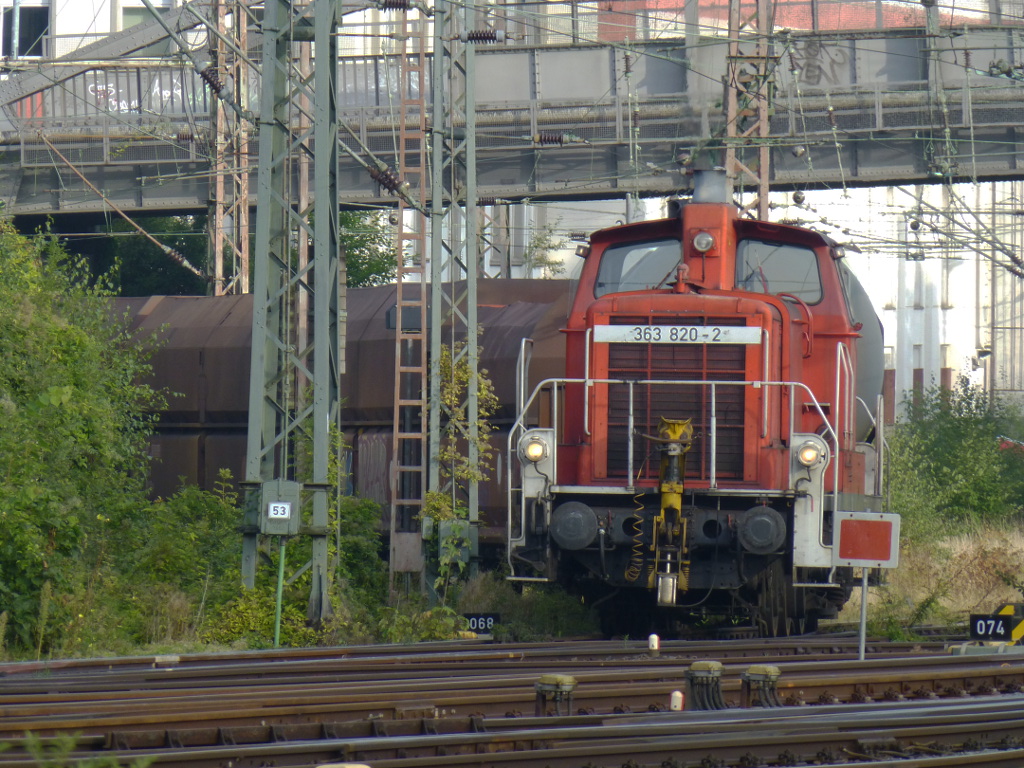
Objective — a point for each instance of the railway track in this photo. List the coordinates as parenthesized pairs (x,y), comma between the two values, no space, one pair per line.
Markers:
(570,704)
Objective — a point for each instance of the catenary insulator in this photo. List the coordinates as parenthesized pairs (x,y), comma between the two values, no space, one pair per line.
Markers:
(549,138)
(211,78)
(482,36)
(387,178)
(395,5)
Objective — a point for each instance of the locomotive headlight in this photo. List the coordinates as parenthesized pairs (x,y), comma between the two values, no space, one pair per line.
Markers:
(810,453)
(703,241)
(535,452)
(533,448)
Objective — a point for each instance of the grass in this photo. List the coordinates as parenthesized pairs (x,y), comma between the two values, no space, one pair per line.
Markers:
(942,582)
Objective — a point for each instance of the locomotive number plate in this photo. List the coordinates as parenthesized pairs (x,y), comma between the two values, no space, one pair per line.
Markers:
(677,334)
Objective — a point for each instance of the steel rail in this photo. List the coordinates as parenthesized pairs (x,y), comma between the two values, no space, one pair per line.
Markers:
(745,737)
(454,695)
(94,674)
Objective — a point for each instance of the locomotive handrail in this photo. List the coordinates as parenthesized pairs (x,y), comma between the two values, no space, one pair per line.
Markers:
(844,376)
(522,366)
(867,411)
(766,340)
(586,394)
(554,384)
(845,415)
(519,424)
(878,424)
(882,446)
(713,429)
(809,335)
(631,427)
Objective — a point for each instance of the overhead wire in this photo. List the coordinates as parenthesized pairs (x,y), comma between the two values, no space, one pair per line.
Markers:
(627,15)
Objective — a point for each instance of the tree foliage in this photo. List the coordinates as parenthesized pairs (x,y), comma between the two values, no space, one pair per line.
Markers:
(72,451)
(541,257)
(369,248)
(136,266)
(89,565)
(446,508)
(949,463)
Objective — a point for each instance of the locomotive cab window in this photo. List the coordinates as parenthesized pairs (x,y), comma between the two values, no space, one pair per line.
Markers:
(637,266)
(767,267)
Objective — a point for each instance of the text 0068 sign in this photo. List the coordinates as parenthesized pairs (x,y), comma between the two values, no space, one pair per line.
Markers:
(482,623)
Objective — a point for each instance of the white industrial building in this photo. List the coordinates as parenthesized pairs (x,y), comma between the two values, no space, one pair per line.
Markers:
(55,27)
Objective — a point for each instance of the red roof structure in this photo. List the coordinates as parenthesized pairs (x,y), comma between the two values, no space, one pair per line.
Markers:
(617,18)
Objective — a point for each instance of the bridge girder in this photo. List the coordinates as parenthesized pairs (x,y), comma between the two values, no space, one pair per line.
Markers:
(557,122)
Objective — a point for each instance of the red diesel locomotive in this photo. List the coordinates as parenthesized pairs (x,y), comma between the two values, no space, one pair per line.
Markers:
(718,405)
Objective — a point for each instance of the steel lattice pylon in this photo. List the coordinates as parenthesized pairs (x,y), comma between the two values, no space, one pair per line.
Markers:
(229,206)
(749,82)
(455,266)
(294,389)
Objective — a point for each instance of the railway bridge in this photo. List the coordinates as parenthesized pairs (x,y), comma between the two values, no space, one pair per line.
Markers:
(581,116)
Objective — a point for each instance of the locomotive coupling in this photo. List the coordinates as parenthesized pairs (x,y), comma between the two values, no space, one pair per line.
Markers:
(675,437)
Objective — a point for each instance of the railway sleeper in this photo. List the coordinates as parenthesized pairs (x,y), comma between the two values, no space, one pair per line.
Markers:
(279,733)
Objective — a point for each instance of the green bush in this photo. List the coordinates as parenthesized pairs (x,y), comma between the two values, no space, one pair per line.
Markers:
(76,429)
(948,467)
(531,613)
(247,622)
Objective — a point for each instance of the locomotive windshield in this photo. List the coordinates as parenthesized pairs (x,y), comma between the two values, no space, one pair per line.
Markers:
(767,267)
(637,266)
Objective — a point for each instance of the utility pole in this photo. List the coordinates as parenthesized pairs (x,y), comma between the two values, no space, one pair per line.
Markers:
(290,423)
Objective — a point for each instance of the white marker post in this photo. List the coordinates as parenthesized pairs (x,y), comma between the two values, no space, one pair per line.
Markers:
(866,540)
